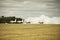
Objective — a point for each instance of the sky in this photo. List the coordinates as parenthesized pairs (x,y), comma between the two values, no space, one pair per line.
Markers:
(30,8)
(43,18)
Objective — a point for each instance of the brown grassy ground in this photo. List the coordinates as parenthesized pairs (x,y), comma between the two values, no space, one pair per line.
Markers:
(29,32)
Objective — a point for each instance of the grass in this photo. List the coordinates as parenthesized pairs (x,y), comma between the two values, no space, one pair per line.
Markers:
(29,31)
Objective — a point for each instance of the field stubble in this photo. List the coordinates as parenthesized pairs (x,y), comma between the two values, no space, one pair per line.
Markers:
(29,32)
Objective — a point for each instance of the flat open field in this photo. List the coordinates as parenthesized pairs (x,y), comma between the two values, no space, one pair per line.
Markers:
(29,32)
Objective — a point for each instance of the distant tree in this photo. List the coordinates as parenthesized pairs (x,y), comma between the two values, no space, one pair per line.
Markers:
(2,16)
(8,19)
(19,19)
(2,19)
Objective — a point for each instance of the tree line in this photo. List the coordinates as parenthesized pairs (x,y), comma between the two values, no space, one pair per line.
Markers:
(8,19)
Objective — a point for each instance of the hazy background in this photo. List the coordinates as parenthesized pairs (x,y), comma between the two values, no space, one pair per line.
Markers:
(30,8)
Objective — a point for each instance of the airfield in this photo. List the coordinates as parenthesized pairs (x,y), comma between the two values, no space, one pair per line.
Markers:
(29,31)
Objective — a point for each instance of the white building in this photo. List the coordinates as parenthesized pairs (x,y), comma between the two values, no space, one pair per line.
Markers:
(17,21)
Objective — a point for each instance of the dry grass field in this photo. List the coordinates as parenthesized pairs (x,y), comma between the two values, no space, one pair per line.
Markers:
(29,31)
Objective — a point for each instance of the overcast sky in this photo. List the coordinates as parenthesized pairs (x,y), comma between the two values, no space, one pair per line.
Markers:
(29,8)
